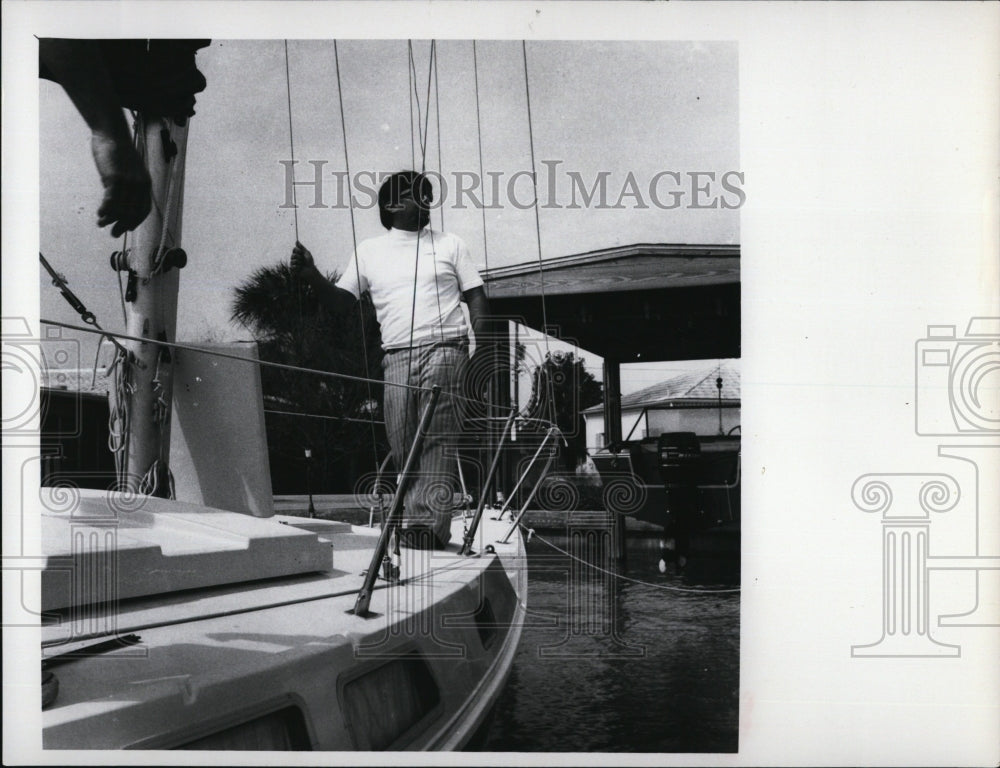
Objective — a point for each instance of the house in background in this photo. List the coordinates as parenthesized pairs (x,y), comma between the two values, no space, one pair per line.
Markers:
(689,402)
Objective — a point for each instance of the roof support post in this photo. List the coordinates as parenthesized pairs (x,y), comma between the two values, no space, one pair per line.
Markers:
(612,402)
(612,437)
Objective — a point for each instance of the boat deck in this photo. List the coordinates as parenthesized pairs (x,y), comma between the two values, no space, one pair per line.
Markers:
(280,662)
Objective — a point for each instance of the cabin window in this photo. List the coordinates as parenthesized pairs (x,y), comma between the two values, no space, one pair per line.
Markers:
(384,703)
(283,730)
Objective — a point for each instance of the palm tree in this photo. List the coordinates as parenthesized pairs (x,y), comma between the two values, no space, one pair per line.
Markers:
(336,419)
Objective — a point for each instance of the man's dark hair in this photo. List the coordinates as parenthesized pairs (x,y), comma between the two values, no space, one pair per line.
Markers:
(395,187)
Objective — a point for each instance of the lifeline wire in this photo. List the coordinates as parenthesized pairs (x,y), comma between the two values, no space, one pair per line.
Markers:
(283,366)
(627,578)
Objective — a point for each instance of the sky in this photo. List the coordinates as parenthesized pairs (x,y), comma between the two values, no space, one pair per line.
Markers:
(611,108)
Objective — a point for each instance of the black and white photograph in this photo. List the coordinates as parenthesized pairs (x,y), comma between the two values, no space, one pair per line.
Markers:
(383,378)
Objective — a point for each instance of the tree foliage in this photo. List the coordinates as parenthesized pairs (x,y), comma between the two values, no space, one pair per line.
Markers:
(333,416)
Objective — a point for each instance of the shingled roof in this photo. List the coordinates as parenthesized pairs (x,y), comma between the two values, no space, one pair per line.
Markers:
(688,388)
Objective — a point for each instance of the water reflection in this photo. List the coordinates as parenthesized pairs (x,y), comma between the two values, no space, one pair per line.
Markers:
(613,664)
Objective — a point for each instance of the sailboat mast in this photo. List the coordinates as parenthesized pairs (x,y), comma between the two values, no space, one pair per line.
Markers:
(155,259)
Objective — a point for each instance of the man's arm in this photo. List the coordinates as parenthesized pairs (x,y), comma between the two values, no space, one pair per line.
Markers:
(336,299)
(479,314)
(77,65)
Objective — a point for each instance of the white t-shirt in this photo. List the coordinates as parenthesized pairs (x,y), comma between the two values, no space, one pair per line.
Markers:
(387,266)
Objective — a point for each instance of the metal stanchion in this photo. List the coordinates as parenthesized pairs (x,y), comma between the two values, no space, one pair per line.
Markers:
(474,525)
(396,511)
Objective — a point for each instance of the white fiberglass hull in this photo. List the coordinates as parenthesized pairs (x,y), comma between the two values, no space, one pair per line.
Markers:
(280,663)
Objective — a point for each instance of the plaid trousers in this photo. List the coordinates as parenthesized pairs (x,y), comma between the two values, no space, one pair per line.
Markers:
(429,500)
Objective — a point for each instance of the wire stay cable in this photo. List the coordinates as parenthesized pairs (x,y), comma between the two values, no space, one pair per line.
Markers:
(291,142)
(354,242)
(538,229)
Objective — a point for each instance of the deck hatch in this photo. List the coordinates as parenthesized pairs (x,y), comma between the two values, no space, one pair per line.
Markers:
(384,703)
(283,731)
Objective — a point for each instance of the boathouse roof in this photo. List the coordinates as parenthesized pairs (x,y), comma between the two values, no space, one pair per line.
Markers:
(646,301)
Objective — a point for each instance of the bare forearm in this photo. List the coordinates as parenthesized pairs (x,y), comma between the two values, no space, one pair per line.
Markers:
(479,314)
(78,66)
(334,298)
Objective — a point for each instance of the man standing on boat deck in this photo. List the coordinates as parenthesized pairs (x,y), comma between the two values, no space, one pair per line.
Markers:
(424,335)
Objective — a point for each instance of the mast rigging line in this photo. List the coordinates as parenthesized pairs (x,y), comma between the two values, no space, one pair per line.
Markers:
(423,166)
(410,87)
(295,204)
(422,115)
(354,242)
(423,127)
(437,112)
(431,77)
(479,141)
(291,141)
(538,226)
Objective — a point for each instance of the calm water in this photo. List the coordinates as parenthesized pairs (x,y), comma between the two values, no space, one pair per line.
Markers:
(607,664)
